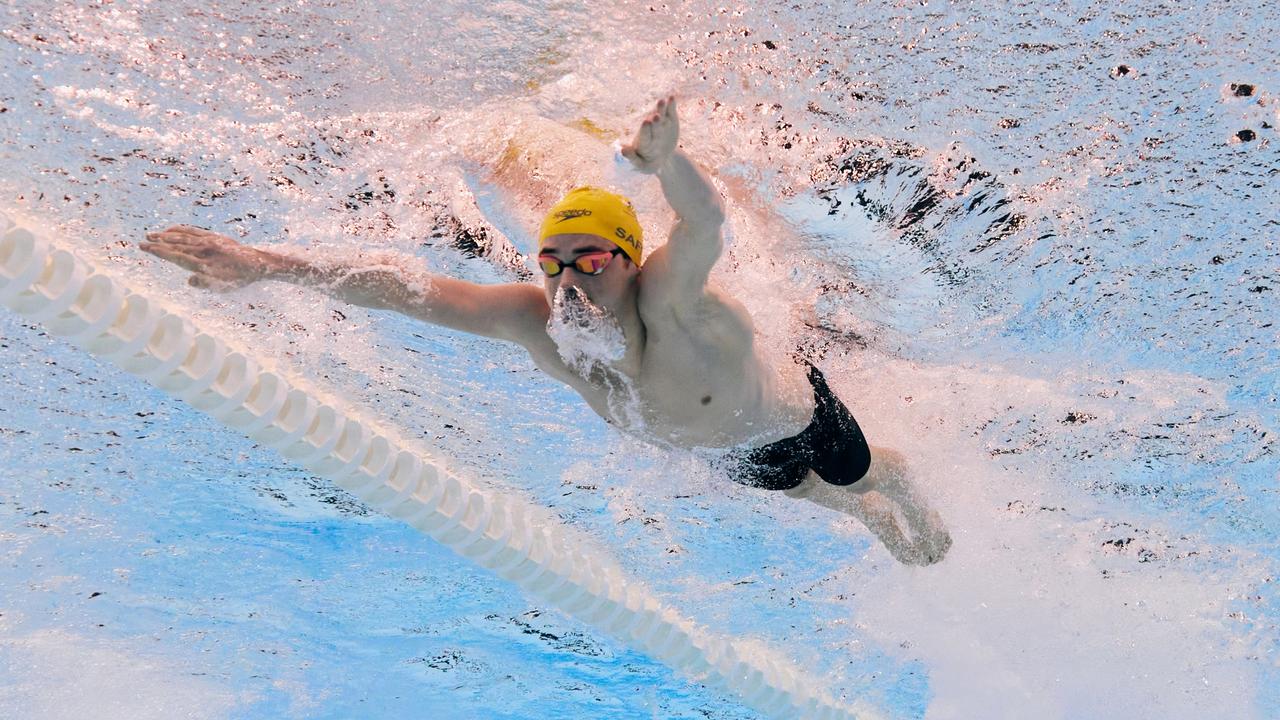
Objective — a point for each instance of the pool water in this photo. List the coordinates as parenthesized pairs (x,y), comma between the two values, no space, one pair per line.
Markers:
(1034,250)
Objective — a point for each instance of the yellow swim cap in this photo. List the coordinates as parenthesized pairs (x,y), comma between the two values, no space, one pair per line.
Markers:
(593,211)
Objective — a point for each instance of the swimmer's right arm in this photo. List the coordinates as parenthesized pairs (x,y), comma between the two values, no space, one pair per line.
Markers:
(512,311)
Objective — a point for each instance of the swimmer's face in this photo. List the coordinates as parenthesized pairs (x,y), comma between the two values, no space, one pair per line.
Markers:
(610,289)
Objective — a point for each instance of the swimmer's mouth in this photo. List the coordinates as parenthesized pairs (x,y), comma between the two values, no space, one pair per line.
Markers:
(574,306)
(584,332)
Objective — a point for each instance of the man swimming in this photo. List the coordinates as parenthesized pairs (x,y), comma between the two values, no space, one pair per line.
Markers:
(656,350)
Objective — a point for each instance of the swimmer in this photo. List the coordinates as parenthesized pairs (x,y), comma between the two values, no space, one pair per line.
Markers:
(657,350)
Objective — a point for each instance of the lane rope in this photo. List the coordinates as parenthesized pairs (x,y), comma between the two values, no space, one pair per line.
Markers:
(49,284)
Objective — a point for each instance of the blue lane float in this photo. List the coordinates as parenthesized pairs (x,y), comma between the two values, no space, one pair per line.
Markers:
(522,543)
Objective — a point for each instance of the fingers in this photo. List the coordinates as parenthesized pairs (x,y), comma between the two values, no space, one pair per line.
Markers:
(178,234)
(638,160)
(663,117)
(163,236)
(165,250)
(188,235)
(665,108)
(188,230)
(176,231)
(172,254)
(655,138)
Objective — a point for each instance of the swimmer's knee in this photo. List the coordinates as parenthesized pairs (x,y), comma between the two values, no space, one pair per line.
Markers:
(884,460)
(887,456)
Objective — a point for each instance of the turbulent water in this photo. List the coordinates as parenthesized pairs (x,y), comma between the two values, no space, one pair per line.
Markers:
(586,335)
(1034,248)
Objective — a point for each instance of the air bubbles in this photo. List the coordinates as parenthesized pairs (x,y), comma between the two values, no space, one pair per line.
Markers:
(586,335)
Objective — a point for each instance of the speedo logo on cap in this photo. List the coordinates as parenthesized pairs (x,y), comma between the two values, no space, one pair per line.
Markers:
(571,214)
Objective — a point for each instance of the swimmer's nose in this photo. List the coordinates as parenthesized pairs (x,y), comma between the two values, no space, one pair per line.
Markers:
(569,284)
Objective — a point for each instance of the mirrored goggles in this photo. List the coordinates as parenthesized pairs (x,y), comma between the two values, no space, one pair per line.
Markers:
(588,264)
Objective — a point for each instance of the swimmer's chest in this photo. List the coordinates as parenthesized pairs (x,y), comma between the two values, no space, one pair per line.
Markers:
(693,379)
(697,380)
(700,380)
(699,356)
(670,397)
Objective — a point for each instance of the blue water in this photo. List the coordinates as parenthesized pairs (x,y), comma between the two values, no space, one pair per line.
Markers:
(1048,280)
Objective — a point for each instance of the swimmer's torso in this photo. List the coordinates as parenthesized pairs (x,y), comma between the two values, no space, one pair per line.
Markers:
(698,381)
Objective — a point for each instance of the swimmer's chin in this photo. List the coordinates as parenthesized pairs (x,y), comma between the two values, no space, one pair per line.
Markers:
(572,307)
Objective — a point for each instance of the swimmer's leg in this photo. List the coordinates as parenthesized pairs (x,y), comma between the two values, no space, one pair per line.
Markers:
(885,502)
(871,509)
(890,477)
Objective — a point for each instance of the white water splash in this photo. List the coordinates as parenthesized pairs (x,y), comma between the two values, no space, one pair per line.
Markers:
(590,341)
(587,336)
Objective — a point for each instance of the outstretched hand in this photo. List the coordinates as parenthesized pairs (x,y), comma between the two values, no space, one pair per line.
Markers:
(218,262)
(656,138)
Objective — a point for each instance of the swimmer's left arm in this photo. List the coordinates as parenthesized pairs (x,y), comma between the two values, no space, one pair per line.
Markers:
(684,263)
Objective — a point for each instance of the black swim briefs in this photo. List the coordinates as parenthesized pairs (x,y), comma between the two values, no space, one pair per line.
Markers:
(832,446)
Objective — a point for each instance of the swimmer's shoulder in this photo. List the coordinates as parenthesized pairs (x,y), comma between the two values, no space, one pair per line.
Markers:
(710,312)
(521,312)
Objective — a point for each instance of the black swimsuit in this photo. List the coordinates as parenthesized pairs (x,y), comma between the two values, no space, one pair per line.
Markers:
(832,446)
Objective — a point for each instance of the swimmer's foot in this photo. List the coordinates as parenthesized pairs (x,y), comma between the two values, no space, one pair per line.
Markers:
(931,539)
(923,542)
(938,538)
(889,475)
(910,538)
(877,513)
